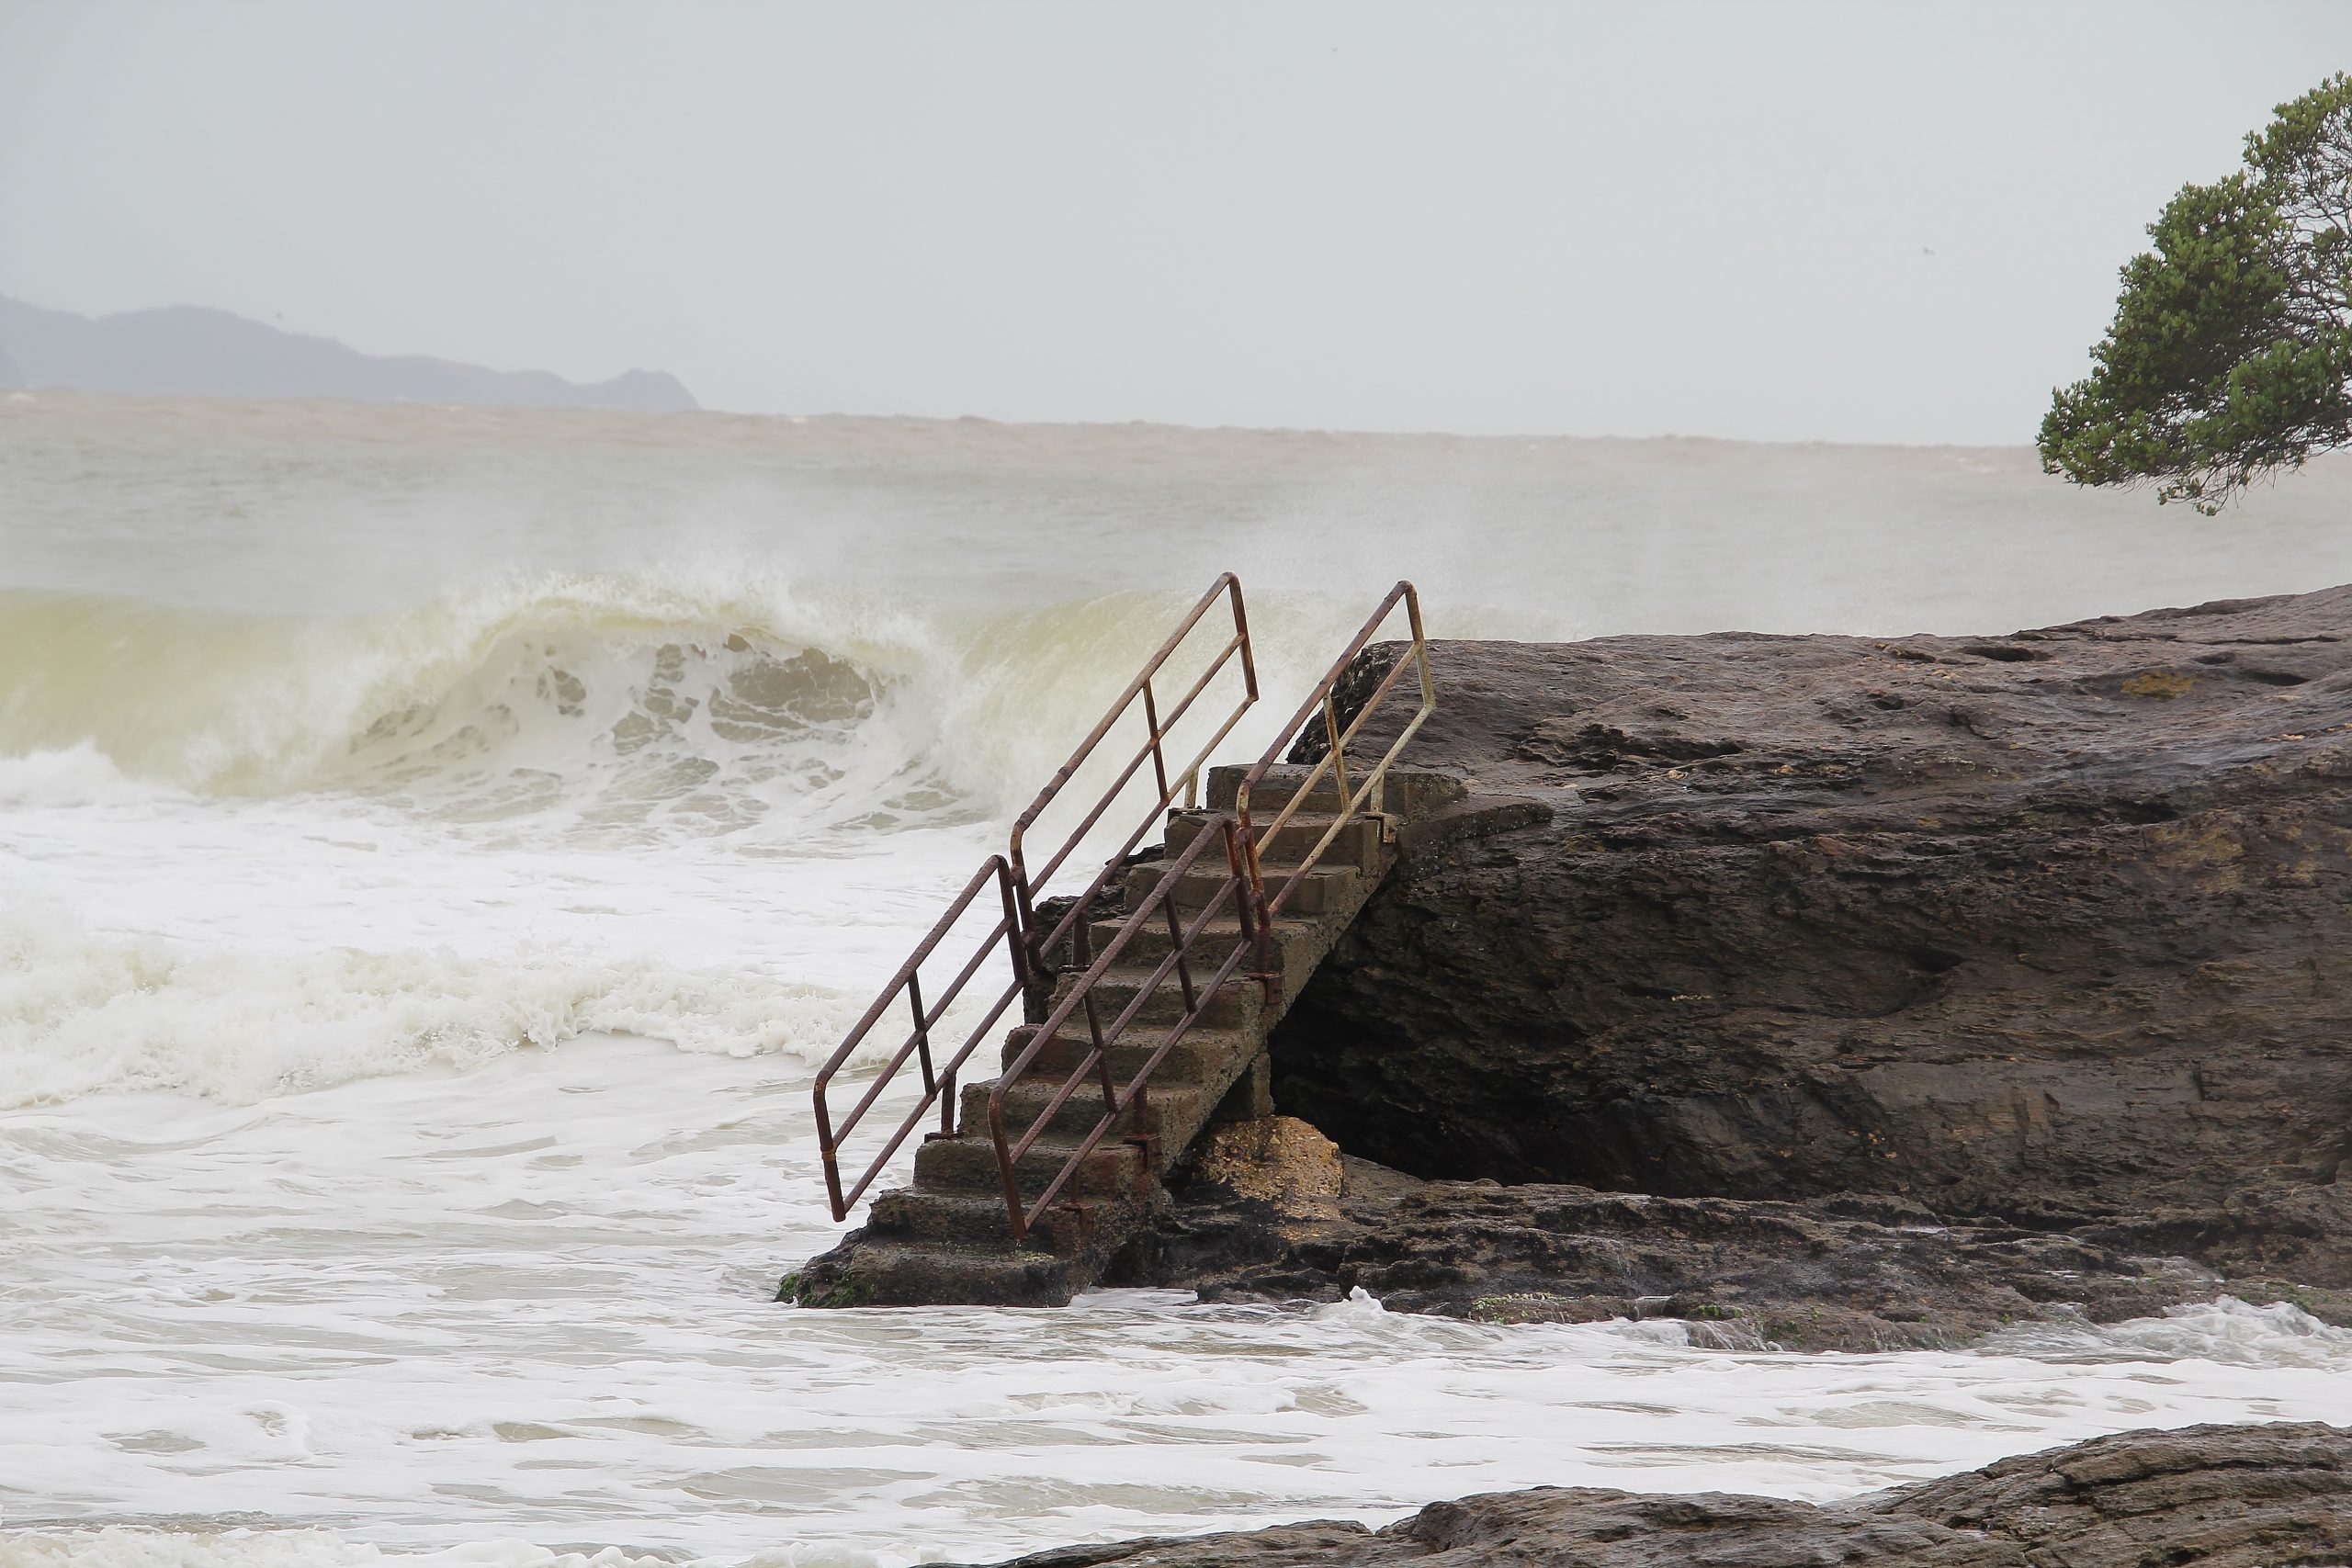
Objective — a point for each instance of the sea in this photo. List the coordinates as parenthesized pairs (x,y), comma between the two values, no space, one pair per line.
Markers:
(438,845)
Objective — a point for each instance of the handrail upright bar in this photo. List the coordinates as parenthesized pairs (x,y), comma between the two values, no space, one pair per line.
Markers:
(1151,723)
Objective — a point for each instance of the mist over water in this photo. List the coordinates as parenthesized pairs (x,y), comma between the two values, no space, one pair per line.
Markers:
(436,844)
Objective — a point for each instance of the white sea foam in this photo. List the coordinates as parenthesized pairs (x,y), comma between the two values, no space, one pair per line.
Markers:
(2228,1332)
(122,1546)
(81,1012)
(79,774)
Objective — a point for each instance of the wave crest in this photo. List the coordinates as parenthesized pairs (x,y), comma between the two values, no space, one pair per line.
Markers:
(618,704)
(629,709)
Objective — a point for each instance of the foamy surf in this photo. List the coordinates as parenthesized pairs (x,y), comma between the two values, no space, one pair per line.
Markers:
(122,1546)
(81,1012)
(529,1305)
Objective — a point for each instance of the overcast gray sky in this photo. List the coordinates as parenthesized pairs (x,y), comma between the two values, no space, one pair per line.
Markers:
(1873,222)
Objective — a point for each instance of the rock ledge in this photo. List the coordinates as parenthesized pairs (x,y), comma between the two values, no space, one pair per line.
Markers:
(2262,1497)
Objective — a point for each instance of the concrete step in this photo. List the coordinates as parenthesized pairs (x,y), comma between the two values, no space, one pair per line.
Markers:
(1168,1101)
(1318,891)
(900,1271)
(1405,792)
(1210,947)
(1357,843)
(974,1219)
(968,1164)
(1235,1005)
(1205,1055)
(1324,887)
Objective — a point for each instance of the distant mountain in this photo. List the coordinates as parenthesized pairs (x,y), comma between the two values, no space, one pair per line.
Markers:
(185,350)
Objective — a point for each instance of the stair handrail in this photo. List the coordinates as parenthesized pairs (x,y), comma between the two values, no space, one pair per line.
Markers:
(1185,782)
(938,1081)
(1372,791)
(1096,1063)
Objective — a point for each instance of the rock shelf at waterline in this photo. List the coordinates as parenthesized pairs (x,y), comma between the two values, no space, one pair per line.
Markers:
(1273,1211)
(2030,943)
(2224,1496)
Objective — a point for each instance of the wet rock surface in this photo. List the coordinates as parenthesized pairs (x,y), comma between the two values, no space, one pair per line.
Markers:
(1263,1218)
(2227,1496)
(2045,929)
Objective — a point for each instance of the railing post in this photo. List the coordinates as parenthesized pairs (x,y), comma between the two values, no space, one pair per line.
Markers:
(1024,924)
(827,1152)
(1176,945)
(1015,1215)
(1241,629)
(1151,722)
(922,1032)
(1245,897)
(1338,753)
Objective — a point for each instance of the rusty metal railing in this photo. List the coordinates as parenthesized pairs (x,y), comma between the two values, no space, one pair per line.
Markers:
(1348,803)
(1028,883)
(938,1079)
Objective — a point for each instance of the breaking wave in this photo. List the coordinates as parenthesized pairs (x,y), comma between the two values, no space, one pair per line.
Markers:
(619,707)
(2226,1331)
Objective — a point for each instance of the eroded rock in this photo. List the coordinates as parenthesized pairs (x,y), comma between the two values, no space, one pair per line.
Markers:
(2224,1497)
(2047,928)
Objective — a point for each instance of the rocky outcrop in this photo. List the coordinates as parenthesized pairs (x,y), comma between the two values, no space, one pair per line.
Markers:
(2047,928)
(1273,1211)
(2224,1496)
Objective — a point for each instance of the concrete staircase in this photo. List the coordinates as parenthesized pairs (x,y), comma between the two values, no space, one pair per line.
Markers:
(947,1239)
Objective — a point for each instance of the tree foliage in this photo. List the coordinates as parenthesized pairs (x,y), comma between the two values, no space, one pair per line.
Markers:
(2231,354)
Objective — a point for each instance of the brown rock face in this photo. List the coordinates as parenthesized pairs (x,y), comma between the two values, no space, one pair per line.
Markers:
(2050,926)
(2224,1496)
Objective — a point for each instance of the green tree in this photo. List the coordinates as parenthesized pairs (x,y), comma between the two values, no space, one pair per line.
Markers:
(2231,354)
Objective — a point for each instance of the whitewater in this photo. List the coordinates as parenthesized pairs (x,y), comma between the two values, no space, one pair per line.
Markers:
(436,845)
